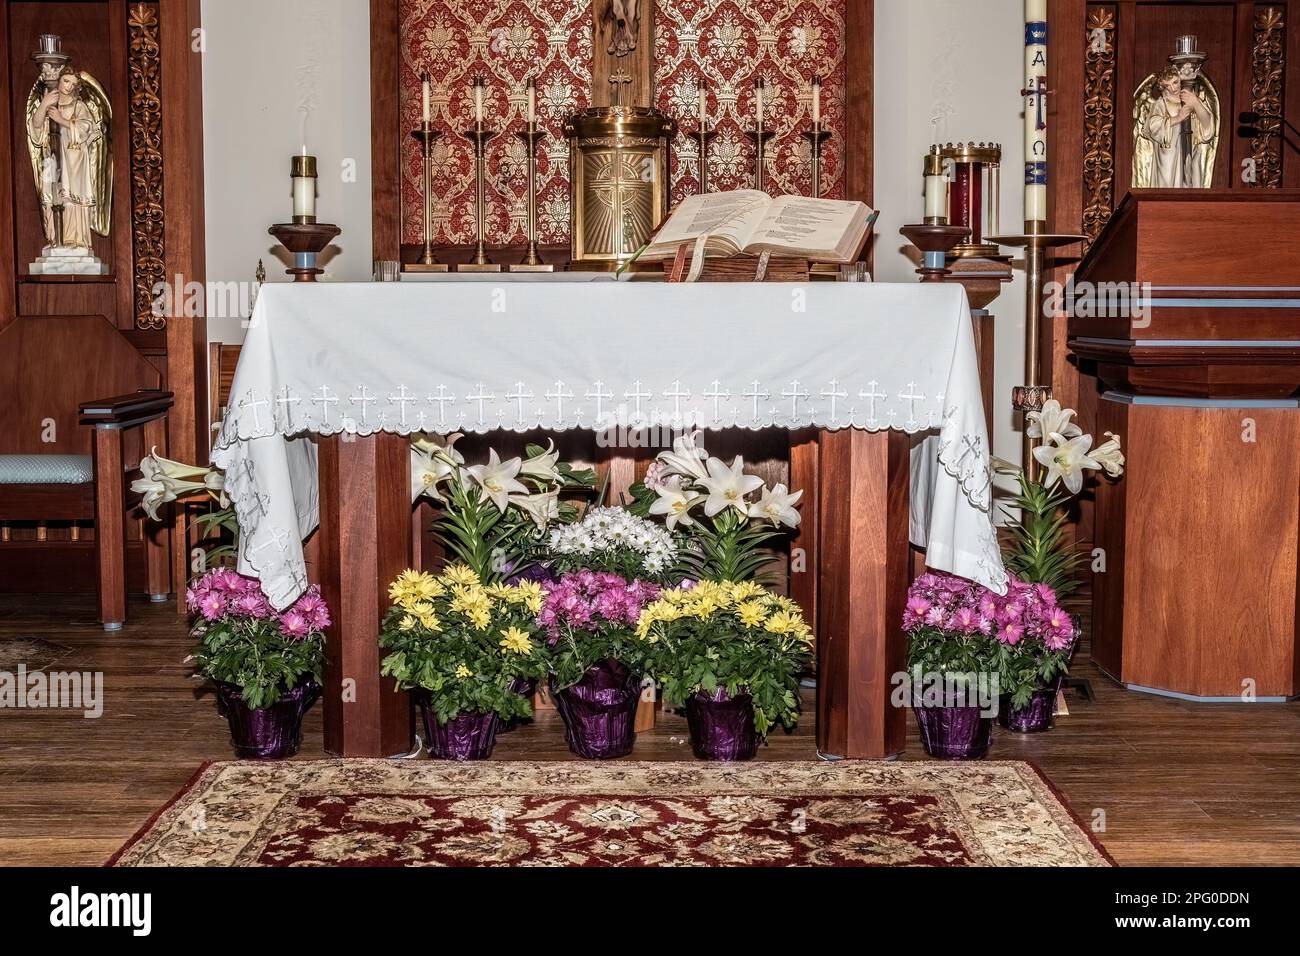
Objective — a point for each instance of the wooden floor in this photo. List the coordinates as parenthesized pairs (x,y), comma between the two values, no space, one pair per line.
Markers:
(1177,783)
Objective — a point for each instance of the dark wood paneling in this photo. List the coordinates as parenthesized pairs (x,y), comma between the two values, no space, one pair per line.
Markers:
(859,104)
(8,289)
(385,146)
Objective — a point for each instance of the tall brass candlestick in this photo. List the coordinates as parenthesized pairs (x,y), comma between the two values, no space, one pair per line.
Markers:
(760,139)
(481,262)
(532,261)
(428,262)
(816,136)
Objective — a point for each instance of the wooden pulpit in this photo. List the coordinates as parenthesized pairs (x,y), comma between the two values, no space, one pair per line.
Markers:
(1198,370)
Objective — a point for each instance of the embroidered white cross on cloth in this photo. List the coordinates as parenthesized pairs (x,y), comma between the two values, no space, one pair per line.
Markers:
(474,357)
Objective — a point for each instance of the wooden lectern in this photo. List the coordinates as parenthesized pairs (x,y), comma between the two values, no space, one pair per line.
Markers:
(1195,583)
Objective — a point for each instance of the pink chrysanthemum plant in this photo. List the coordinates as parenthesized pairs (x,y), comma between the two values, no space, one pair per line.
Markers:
(725,519)
(590,617)
(1040,553)
(956,627)
(246,642)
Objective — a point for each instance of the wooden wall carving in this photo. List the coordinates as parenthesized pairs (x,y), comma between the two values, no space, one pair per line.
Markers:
(1268,60)
(147,224)
(1099,122)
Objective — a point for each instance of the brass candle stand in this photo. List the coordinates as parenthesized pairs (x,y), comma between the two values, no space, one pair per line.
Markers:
(532,261)
(306,241)
(426,135)
(1037,243)
(480,262)
(759,137)
(935,240)
(704,137)
(816,136)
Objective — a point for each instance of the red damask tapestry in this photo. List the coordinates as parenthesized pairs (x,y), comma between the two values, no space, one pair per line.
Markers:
(726,44)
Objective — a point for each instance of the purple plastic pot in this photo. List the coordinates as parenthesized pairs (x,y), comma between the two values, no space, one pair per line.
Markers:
(599,712)
(270,733)
(1035,717)
(954,733)
(722,727)
(469,736)
(525,688)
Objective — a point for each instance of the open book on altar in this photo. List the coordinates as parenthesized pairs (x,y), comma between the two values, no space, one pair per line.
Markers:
(748,222)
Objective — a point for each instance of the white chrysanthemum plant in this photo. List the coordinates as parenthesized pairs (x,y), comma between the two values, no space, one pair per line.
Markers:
(494,517)
(723,517)
(1040,553)
(616,541)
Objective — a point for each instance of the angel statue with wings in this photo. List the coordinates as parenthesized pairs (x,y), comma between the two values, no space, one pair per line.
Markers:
(1176,125)
(70,147)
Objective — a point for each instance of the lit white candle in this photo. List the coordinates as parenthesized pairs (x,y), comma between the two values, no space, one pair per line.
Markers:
(424,95)
(304,187)
(478,101)
(1035,138)
(704,107)
(758,90)
(532,102)
(817,101)
(936,188)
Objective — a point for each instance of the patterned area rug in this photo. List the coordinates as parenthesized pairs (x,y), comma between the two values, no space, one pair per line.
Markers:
(499,813)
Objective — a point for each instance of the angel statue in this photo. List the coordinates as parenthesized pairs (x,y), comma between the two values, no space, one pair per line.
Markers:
(1176,124)
(68,131)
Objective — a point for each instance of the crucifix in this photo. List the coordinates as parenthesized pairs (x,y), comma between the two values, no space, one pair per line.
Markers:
(622,73)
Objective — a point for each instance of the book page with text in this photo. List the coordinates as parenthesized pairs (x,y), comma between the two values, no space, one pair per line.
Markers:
(818,228)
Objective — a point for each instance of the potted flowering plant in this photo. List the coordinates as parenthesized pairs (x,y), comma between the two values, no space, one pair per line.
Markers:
(952,657)
(1035,638)
(458,645)
(596,658)
(613,540)
(265,663)
(731,652)
(1040,552)
(724,530)
(494,516)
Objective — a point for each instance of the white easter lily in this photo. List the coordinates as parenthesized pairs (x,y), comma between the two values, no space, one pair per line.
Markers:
(162,481)
(1108,455)
(728,486)
(777,506)
(543,508)
(543,466)
(686,458)
(1066,460)
(499,479)
(1053,418)
(675,502)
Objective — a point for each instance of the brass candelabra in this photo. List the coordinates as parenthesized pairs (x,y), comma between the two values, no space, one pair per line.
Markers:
(532,261)
(480,262)
(816,136)
(760,138)
(426,135)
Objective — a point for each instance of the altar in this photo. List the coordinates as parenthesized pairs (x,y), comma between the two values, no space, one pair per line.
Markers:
(334,378)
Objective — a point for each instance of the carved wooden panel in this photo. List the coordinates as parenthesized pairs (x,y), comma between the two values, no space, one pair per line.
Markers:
(146,161)
(1099,122)
(1267,64)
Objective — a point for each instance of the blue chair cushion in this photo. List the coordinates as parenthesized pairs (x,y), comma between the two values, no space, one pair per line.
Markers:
(46,470)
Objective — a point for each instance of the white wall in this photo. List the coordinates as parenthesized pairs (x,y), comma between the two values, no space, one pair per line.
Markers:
(278,74)
(958,61)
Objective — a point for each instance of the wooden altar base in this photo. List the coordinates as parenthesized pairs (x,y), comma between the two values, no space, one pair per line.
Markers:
(855,538)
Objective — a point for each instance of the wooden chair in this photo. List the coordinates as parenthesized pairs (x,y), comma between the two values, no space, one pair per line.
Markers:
(54,470)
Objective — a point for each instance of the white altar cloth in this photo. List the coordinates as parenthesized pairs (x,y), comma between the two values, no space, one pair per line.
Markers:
(474,357)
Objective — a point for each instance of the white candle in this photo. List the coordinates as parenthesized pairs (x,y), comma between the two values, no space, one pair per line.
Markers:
(424,93)
(532,102)
(478,102)
(704,107)
(758,90)
(817,101)
(304,187)
(1035,138)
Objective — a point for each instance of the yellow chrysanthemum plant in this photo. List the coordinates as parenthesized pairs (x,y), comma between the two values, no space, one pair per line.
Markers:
(734,636)
(463,642)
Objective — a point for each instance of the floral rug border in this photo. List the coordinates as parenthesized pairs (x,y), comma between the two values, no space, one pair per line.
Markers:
(949,782)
